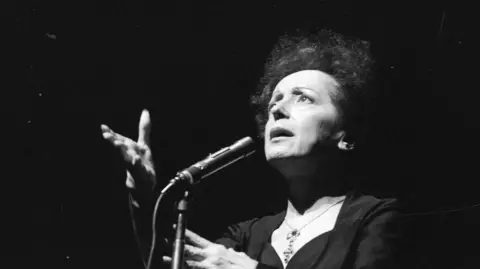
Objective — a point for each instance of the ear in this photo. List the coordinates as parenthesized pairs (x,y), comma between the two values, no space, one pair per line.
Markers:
(342,144)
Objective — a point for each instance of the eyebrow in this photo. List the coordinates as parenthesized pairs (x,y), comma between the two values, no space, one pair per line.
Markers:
(293,89)
(304,88)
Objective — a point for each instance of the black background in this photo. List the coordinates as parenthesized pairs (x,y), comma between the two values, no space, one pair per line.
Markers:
(193,65)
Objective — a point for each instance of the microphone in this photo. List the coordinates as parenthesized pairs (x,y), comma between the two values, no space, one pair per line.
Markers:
(217,161)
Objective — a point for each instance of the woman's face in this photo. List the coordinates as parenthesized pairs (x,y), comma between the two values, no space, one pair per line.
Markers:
(302,117)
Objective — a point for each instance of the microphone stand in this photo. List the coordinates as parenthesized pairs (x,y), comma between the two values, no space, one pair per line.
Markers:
(190,176)
(179,241)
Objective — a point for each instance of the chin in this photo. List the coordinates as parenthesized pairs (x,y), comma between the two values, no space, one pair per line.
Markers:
(280,155)
(276,157)
(278,152)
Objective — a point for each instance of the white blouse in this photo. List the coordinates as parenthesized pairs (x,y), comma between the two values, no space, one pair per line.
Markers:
(320,225)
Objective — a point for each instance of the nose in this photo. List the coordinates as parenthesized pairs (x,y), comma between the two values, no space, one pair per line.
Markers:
(279,111)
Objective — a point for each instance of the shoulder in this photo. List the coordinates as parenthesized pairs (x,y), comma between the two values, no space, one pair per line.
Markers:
(260,223)
(364,207)
(383,237)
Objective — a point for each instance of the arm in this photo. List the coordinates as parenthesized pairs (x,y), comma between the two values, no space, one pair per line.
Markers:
(141,211)
(141,178)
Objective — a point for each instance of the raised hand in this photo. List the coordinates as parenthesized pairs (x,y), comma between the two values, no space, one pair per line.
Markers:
(137,154)
(201,253)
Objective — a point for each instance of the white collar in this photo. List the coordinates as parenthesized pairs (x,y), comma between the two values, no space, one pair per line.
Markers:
(320,205)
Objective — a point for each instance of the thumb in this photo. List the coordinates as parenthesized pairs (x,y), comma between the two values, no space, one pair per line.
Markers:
(144,128)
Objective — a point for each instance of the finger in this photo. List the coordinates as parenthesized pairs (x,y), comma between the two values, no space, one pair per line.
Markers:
(119,143)
(194,253)
(112,136)
(113,139)
(108,136)
(121,138)
(144,128)
(130,182)
(104,128)
(195,264)
(166,259)
(129,149)
(195,239)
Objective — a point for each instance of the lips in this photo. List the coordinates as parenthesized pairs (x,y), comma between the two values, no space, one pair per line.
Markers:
(280,132)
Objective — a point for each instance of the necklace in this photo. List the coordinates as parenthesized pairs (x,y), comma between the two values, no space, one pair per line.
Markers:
(295,233)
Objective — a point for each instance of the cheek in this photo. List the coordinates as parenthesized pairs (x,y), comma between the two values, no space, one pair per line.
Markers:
(308,138)
(316,130)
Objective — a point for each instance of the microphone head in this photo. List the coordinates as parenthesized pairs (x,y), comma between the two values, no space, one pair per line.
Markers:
(245,143)
(227,156)
(218,160)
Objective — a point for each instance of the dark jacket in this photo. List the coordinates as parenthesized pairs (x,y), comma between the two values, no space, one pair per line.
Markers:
(368,233)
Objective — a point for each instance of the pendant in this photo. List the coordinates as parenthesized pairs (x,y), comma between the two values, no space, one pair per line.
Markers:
(291,236)
(288,254)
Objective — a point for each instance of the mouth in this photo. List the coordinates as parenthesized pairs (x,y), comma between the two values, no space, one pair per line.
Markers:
(278,132)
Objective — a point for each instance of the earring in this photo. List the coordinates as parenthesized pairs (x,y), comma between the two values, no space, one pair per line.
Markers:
(345,145)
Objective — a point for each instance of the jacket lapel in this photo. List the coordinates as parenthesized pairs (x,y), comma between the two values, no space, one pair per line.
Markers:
(338,241)
(259,247)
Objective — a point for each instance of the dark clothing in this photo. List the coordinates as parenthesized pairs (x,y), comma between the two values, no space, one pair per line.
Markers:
(368,233)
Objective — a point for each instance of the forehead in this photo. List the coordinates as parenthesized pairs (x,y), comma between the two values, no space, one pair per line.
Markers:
(318,81)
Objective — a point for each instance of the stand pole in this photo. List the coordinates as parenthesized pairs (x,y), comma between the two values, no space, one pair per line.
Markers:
(179,241)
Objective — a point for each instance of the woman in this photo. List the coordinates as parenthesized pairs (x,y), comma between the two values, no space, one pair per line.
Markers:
(308,107)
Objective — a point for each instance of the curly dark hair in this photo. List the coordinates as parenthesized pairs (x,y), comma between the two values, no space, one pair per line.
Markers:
(348,61)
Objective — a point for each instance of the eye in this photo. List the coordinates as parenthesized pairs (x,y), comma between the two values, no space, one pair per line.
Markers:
(304,98)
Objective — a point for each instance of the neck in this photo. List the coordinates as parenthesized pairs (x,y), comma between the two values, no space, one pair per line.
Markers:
(307,188)
(303,196)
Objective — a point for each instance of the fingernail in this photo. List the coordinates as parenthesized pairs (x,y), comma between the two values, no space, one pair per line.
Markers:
(130,183)
(135,160)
